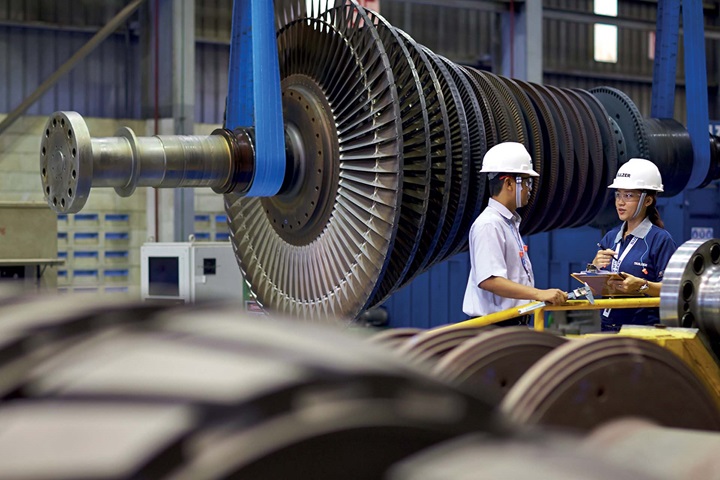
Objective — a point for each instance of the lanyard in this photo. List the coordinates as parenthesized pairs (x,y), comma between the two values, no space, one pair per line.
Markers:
(615,266)
(521,245)
(519,241)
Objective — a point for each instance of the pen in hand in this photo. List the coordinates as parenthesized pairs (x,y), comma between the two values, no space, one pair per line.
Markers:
(601,248)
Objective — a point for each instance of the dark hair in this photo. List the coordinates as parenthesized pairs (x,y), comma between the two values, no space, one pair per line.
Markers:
(496,184)
(652,211)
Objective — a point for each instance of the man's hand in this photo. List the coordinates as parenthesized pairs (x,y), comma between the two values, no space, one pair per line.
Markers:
(552,296)
(603,258)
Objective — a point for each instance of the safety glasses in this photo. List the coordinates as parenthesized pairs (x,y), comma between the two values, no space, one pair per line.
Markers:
(526,182)
(627,196)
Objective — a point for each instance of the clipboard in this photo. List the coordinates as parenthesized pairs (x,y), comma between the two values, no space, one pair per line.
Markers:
(599,283)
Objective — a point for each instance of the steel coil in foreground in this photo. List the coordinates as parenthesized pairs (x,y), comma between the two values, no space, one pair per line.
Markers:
(133,392)
(494,360)
(584,383)
(432,345)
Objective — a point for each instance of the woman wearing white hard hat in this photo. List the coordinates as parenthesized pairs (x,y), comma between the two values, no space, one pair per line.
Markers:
(640,248)
(501,274)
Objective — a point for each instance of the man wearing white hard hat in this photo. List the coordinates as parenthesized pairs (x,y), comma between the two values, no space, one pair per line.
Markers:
(501,274)
(640,248)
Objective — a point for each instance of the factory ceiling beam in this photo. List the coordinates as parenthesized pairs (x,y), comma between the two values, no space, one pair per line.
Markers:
(84,51)
(581,17)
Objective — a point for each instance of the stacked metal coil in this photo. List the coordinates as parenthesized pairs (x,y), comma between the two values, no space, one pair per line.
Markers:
(91,389)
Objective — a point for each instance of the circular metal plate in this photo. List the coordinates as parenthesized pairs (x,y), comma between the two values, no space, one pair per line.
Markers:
(441,158)
(585,383)
(432,345)
(460,145)
(494,360)
(66,167)
(624,112)
(606,216)
(395,337)
(416,158)
(690,294)
(335,274)
(566,168)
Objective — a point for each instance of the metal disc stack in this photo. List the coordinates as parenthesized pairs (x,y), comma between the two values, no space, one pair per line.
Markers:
(387,140)
(104,390)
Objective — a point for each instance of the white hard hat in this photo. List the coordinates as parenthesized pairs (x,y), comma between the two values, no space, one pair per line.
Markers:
(638,174)
(508,157)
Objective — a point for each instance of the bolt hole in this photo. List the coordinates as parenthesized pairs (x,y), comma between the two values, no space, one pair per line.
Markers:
(70,192)
(600,392)
(69,133)
(617,115)
(317,188)
(47,190)
(62,122)
(282,226)
(312,204)
(715,253)
(688,291)
(686,306)
(47,133)
(313,119)
(688,320)
(698,264)
(74,152)
(73,174)
(317,135)
(503,382)
(319,170)
(54,122)
(54,201)
(299,223)
(43,151)
(44,172)
(319,153)
(307,216)
(62,203)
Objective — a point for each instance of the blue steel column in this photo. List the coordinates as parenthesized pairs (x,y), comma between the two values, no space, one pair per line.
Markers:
(254,91)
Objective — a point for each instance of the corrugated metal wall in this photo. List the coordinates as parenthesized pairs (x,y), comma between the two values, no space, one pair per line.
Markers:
(37,36)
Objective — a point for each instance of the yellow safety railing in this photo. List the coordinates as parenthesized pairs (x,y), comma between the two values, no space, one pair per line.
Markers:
(539,317)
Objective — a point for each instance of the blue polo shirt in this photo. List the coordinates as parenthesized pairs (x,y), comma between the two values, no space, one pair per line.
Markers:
(644,253)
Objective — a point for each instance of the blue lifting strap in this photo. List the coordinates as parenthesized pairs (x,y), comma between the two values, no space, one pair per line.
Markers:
(663,90)
(254,99)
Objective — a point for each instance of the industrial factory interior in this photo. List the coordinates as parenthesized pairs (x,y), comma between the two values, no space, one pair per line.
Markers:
(360,239)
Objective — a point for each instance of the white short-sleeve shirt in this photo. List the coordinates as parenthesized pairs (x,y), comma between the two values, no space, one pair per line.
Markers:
(495,246)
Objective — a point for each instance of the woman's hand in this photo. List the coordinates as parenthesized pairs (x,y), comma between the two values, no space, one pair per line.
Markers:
(629,284)
(603,258)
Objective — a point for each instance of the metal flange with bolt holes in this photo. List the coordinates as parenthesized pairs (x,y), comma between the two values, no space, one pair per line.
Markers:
(690,294)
